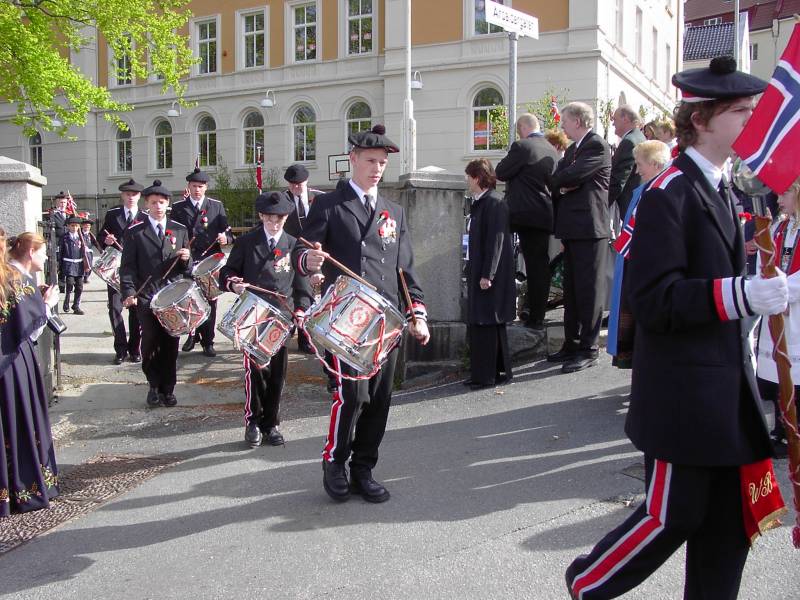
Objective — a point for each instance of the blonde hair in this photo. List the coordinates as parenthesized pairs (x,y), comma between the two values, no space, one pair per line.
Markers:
(654,152)
(557,138)
(8,274)
(795,190)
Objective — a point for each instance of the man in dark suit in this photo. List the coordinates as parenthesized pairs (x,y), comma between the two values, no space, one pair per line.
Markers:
(694,408)
(262,257)
(116,222)
(58,216)
(582,224)
(207,224)
(367,233)
(527,170)
(624,177)
(74,263)
(149,248)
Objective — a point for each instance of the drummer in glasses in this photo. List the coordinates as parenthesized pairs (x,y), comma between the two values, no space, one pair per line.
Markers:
(149,249)
(262,257)
(368,234)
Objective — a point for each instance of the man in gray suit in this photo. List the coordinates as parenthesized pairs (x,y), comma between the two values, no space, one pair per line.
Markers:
(624,178)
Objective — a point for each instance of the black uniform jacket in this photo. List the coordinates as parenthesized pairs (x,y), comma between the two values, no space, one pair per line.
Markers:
(144,255)
(582,213)
(203,232)
(294,224)
(59,220)
(338,220)
(624,176)
(491,256)
(693,397)
(251,259)
(527,170)
(114,223)
(73,259)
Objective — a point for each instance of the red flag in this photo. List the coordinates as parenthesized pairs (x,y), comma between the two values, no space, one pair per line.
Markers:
(258,170)
(554,110)
(768,142)
(72,208)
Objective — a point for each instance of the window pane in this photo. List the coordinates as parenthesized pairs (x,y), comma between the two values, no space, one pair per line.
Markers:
(488,97)
(207,124)
(359,110)
(254,119)
(481,26)
(164,128)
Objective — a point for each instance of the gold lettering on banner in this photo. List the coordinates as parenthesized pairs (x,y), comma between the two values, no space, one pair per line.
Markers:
(758,491)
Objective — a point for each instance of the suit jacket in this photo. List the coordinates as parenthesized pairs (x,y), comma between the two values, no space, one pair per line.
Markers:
(294,224)
(694,399)
(527,170)
(252,260)
(72,256)
(203,227)
(114,223)
(581,210)
(338,220)
(60,224)
(144,255)
(624,176)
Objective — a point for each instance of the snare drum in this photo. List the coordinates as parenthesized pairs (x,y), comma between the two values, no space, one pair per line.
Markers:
(206,275)
(356,324)
(106,267)
(255,327)
(180,307)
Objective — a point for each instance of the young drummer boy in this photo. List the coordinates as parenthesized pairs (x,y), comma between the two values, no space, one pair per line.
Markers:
(262,257)
(73,264)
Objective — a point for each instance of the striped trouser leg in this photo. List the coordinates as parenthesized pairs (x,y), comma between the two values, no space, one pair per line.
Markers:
(344,412)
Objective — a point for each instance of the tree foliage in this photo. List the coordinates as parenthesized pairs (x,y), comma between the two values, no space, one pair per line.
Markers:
(541,107)
(41,81)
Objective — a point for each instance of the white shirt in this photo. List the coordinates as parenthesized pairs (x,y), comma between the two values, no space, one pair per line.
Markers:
(154,224)
(275,239)
(130,213)
(373,191)
(197,203)
(302,198)
(712,172)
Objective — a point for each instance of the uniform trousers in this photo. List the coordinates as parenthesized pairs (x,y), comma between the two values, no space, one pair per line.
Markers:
(263,389)
(159,352)
(534,245)
(584,292)
(205,332)
(696,505)
(359,413)
(489,355)
(124,343)
(74,284)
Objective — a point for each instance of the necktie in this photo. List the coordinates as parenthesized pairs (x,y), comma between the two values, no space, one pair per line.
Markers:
(271,244)
(160,232)
(128,218)
(369,205)
(301,209)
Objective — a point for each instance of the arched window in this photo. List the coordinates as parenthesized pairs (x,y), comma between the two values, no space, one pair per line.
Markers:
(487,102)
(207,141)
(304,129)
(358,118)
(163,145)
(253,136)
(124,151)
(35,143)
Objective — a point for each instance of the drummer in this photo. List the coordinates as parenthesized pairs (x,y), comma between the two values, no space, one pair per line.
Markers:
(262,257)
(116,221)
(207,223)
(368,234)
(149,249)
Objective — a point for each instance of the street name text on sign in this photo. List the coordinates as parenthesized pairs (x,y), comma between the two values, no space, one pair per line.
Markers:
(512,20)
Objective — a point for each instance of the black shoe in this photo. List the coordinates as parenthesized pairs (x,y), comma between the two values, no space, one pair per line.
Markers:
(274,437)
(169,399)
(118,359)
(77,310)
(252,435)
(334,480)
(579,363)
(188,345)
(467,382)
(209,351)
(370,490)
(65,308)
(135,358)
(153,398)
(562,355)
(475,385)
(503,379)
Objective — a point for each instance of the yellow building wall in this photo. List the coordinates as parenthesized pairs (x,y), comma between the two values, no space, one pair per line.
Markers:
(436,22)
(553,14)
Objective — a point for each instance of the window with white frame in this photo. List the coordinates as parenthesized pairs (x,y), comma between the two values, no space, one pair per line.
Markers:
(254,39)
(713,21)
(304,23)
(35,144)
(304,134)
(124,153)
(358,118)
(207,46)
(360,26)
(618,21)
(638,37)
(123,73)
(253,126)
(667,66)
(655,53)
(753,51)
(163,136)
(487,104)
(481,26)
(207,141)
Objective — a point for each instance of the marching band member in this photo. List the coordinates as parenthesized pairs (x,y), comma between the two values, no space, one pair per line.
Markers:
(149,249)
(262,257)
(207,223)
(58,217)
(367,233)
(694,409)
(116,222)
(90,242)
(73,264)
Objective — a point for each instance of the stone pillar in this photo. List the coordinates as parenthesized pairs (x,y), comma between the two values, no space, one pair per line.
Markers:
(21,190)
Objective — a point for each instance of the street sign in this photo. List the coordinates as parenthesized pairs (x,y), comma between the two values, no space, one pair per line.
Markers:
(512,20)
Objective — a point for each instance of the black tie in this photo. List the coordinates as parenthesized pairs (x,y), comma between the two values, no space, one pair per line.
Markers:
(301,208)
(368,205)
(160,232)
(128,217)
(272,244)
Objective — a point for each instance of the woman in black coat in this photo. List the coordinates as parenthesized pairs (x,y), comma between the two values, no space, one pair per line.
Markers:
(491,293)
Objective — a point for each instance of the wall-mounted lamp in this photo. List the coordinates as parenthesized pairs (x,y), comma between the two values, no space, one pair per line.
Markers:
(416,81)
(173,112)
(269,100)
(55,122)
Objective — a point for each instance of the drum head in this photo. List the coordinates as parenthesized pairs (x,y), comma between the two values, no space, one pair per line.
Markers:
(209,264)
(172,294)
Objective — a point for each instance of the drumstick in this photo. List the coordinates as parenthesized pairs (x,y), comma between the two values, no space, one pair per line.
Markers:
(115,242)
(141,287)
(339,265)
(212,243)
(407,296)
(260,289)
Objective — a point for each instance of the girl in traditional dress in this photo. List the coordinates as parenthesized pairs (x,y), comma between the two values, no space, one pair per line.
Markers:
(28,471)
(785,235)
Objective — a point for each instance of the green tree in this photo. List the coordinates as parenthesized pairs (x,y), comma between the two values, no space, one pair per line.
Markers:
(541,107)
(35,33)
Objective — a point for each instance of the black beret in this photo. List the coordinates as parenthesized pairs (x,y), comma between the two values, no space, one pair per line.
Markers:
(131,186)
(374,138)
(197,176)
(157,189)
(296,174)
(719,81)
(86,220)
(274,203)
(60,195)
(74,220)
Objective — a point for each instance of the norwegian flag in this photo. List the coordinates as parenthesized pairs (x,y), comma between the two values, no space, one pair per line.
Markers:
(72,208)
(768,142)
(554,110)
(258,169)
(623,242)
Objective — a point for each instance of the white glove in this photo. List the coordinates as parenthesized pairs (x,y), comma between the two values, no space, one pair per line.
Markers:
(767,296)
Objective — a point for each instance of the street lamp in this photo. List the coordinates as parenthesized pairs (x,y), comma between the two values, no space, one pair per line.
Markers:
(267,101)
(173,112)
(416,81)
